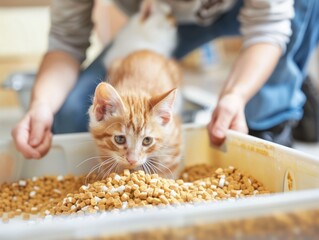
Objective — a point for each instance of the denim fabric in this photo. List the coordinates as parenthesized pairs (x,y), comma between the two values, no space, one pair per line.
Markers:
(280,99)
(72,116)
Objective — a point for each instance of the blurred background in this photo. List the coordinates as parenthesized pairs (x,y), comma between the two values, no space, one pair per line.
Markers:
(24,26)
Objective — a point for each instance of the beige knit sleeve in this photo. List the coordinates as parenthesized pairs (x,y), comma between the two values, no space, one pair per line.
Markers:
(71,27)
(266,21)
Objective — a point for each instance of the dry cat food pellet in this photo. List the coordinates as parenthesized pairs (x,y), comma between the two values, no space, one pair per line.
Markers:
(66,195)
(35,196)
(120,191)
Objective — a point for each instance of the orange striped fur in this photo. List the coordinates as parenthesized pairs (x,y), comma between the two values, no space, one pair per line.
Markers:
(138,104)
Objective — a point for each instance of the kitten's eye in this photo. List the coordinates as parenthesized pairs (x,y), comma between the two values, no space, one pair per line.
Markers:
(120,139)
(147,141)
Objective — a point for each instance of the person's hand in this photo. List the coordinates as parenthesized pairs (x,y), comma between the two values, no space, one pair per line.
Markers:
(228,114)
(32,135)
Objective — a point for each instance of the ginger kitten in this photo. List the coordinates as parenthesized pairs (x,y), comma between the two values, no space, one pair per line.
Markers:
(132,118)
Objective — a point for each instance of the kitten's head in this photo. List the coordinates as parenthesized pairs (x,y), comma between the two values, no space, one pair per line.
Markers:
(130,130)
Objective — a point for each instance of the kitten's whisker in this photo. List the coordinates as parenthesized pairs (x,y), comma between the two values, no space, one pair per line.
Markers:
(88,159)
(106,161)
(107,172)
(117,169)
(145,168)
(148,169)
(162,165)
(105,166)
(117,157)
(153,163)
(98,165)
(94,168)
(113,168)
(151,169)
(157,170)
(91,171)
(159,163)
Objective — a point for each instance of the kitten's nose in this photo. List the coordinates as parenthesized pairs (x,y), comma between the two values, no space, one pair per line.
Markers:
(131,161)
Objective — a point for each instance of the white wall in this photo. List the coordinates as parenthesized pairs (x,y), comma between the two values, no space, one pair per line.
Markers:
(23,30)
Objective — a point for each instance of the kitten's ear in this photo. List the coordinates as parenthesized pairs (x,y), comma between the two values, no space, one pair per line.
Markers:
(163,106)
(147,8)
(106,101)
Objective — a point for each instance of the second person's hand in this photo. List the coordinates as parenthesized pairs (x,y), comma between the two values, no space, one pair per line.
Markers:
(32,135)
(228,114)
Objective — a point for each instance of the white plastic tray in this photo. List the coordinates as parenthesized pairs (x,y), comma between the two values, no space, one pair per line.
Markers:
(265,161)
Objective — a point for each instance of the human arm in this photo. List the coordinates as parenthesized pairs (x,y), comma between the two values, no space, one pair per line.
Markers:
(56,77)
(266,29)
(248,75)
(68,40)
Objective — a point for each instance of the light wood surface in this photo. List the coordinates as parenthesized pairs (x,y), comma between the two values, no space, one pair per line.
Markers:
(24,3)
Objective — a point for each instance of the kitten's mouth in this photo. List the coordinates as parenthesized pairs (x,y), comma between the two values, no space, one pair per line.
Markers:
(130,166)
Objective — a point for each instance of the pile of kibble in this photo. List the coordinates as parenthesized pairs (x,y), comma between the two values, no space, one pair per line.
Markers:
(35,196)
(68,195)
